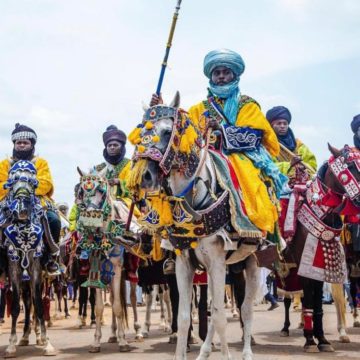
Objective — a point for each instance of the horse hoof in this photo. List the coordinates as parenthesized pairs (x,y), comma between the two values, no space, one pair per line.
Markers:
(311,348)
(325,348)
(173,339)
(344,339)
(67,316)
(284,333)
(145,334)
(50,352)
(94,349)
(24,342)
(9,354)
(39,342)
(357,323)
(139,338)
(124,348)
(92,324)
(193,340)
(50,324)
(247,356)
(112,339)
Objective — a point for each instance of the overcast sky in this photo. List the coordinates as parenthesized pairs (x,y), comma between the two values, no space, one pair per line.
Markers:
(70,68)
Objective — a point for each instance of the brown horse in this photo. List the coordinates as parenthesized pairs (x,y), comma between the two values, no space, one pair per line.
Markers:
(315,247)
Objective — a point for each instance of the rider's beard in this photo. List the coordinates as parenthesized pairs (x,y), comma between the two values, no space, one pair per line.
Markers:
(23,154)
(115,159)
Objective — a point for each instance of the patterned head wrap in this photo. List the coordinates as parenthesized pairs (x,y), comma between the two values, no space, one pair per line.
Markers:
(113,133)
(223,57)
(355,124)
(23,132)
(278,112)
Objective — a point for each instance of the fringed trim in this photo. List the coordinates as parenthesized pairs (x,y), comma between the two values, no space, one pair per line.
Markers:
(136,174)
(242,233)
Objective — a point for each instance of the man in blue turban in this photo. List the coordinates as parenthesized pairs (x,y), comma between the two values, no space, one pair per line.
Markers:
(227,109)
(292,149)
(355,127)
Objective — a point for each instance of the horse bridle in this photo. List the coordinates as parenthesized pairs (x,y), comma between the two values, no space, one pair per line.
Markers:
(339,167)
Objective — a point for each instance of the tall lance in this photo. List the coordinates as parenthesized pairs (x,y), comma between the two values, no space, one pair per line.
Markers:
(161,79)
(168,46)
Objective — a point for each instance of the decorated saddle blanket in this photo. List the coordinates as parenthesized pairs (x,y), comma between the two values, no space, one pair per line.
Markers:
(227,180)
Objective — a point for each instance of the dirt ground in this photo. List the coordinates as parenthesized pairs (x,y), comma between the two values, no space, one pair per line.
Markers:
(73,343)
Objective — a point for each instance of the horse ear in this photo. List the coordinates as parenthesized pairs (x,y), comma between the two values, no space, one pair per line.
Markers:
(176,101)
(334,151)
(144,106)
(80,171)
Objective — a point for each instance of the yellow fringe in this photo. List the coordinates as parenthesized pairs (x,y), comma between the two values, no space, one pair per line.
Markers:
(188,140)
(157,252)
(135,135)
(136,174)
(163,208)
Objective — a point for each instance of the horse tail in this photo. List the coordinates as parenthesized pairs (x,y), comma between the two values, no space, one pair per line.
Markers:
(123,300)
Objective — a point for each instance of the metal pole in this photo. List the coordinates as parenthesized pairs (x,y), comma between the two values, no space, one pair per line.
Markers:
(168,46)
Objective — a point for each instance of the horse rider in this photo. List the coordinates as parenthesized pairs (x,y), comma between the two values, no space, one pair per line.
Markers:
(116,169)
(63,210)
(292,150)
(355,127)
(223,68)
(296,161)
(24,139)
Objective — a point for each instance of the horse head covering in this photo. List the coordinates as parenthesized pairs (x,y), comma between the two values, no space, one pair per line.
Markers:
(279,112)
(113,133)
(23,132)
(355,124)
(230,92)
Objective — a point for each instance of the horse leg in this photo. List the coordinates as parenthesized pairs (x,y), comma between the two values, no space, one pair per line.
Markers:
(149,293)
(92,308)
(119,307)
(285,330)
(65,297)
(353,291)
(195,306)
(337,292)
(308,309)
(251,287)
(323,343)
(48,349)
(174,299)
(167,302)
(137,326)
(15,310)
(202,309)
(184,277)
(163,324)
(99,310)
(26,295)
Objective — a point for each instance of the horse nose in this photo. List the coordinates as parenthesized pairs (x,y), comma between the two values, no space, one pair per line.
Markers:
(147,176)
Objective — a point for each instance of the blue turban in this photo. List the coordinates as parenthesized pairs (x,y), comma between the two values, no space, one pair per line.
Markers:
(279,112)
(223,57)
(355,124)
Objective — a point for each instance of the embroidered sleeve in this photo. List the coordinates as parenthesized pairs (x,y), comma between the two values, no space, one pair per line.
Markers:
(44,177)
(4,170)
(251,116)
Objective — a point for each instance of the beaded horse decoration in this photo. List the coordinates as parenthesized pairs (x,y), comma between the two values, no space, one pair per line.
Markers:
(177,147)
(21,215)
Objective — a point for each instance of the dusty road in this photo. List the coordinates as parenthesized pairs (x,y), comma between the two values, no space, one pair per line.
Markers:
(73,343)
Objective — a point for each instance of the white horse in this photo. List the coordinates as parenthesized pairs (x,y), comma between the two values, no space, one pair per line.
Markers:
(210,250)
